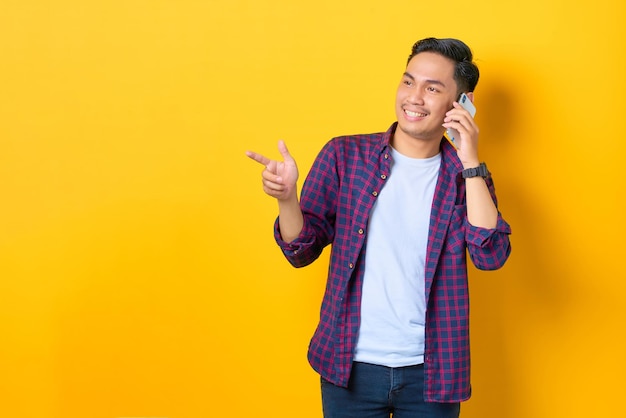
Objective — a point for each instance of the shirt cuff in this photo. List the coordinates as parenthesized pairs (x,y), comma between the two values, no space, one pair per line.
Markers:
(297,245)
(482,236)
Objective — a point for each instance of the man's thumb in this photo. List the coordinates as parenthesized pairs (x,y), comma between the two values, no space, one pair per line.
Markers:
(282,147)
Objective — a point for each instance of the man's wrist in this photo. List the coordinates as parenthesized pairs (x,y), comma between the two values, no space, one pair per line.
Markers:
(470,164)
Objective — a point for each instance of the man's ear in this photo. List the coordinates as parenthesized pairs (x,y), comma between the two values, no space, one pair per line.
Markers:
(470,95)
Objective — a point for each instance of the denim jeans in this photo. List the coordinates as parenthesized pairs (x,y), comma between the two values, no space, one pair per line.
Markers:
(379,391)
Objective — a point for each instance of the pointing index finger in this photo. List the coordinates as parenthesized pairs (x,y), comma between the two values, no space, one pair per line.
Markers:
(258,157)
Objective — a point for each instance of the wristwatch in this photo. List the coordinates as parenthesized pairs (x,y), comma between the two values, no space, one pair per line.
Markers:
(481,171)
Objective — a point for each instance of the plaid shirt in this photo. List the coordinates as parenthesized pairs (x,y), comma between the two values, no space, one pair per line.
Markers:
(337,199)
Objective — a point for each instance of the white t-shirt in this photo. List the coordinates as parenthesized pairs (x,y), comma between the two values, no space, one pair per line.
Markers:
(393,305)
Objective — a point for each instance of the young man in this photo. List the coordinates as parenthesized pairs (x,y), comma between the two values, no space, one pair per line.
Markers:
(401,209)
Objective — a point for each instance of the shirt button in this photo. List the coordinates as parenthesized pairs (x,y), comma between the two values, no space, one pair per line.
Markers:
(351,265)
(386,156)
(383,176)
(360,231)
(374,194)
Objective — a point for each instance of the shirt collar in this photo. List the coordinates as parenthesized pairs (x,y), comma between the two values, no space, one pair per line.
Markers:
(385,141)
(448,152)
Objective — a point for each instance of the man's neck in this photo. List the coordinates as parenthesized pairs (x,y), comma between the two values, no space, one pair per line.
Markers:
(414,147)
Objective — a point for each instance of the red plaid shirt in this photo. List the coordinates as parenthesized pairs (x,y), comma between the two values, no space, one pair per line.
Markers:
(337,199)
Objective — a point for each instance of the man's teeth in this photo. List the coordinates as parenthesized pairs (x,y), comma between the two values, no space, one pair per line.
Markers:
(415,114)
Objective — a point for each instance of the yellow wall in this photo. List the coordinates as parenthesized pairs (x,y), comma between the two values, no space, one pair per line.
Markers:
(138,272)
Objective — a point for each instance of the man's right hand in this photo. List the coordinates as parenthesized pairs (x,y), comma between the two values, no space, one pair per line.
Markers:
(279,181)
(279,177)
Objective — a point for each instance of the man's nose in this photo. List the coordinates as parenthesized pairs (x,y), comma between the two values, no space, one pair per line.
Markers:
(417,97)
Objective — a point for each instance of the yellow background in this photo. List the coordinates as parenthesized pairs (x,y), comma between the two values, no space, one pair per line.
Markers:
(138,272)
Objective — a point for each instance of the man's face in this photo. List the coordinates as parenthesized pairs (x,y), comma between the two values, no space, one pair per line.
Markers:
(425,94)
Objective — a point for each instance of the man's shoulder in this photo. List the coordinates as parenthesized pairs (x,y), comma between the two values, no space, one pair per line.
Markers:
(351,148)
(358,139)
(368,140)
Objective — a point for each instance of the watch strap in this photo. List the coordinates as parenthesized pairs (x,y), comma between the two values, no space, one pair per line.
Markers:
(481,171)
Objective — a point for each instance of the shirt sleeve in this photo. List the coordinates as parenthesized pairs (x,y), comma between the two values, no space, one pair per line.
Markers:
(489,248)
(318,204)
(303,250)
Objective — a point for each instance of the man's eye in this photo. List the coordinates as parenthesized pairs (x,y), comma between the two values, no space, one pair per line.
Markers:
(432,89)
(408,83)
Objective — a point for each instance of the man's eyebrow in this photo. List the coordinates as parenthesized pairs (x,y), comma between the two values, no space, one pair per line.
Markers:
(437,82)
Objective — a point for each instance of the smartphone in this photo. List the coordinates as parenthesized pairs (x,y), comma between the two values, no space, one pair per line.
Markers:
(452,134)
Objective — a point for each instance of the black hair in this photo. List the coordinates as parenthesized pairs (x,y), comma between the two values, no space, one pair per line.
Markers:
(465,70)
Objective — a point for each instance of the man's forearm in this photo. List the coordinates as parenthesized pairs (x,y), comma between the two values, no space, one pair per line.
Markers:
(290,219)
(481,210)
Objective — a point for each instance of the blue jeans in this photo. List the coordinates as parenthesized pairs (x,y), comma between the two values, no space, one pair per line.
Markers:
(378,391)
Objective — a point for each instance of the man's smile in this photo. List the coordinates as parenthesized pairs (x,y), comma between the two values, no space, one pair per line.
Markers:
(414,114)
